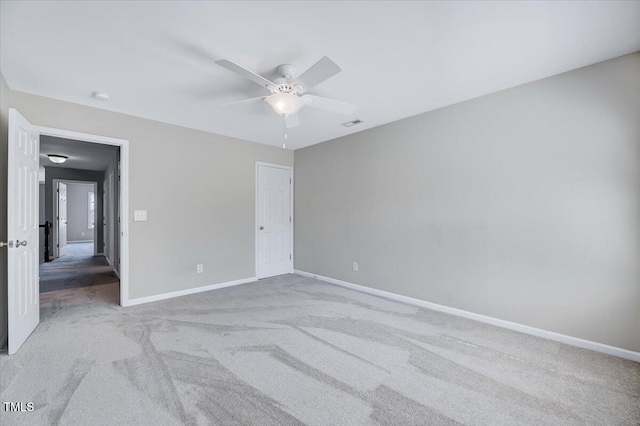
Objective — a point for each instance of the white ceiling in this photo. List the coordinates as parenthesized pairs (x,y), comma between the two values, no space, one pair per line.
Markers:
(156,59)
(82,155)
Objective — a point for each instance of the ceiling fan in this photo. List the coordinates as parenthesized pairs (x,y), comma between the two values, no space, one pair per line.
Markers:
(288,93)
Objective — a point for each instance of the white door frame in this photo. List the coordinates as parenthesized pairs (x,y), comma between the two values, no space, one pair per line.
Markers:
(256,225)
(54,245)
(124,193)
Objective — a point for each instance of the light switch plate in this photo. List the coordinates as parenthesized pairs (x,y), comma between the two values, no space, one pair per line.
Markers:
(139,215)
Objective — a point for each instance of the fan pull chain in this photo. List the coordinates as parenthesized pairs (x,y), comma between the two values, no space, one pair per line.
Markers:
(284,145)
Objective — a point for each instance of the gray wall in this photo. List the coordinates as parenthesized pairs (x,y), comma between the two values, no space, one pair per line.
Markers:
(4,120)
(522,205)
(52,173)
(197,187)
(77,212)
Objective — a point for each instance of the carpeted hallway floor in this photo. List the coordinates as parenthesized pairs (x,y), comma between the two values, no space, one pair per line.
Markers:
(77,268)
(292,350)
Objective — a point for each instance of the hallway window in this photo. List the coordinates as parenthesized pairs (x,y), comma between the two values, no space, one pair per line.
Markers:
(92,209)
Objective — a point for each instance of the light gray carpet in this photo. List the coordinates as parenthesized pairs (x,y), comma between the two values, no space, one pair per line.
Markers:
(292,350)
(77,268)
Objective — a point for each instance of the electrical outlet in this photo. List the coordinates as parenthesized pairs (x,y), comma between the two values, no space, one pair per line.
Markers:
(139,215)
(355,266)
(199,268)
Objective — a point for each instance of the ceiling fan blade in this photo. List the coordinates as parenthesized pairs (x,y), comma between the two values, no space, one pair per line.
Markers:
(245,101)
(322,70)
(250,75)
(292,121)
(329,105)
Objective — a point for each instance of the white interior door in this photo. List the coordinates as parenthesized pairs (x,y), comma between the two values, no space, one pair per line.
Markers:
(274,252)
(111,220)
(62,219)
(105,233)
(22,230)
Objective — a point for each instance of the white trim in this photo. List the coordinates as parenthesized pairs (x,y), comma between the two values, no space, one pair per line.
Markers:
(80,241)
(100,254)
(256,225)
(179,293)
(86,137)
(124,194)
(562,338)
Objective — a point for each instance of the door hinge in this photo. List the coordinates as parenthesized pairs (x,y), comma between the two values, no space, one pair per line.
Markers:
(289,257)
(289,181)
(289,218)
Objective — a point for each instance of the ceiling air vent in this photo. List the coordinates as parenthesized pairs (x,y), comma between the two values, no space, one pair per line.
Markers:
(352,123)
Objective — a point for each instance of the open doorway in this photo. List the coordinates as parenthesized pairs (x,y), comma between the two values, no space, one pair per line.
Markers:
(23,203)
(79,218)
(74,215)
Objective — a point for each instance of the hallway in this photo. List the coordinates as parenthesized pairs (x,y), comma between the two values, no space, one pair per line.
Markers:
(77,268)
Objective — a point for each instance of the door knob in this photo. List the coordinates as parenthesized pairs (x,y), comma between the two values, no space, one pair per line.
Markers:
(261,228)
(9,244)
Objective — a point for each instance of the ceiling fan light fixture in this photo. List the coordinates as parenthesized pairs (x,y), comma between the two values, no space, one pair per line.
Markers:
(285,103)
(58,159)
(289,94)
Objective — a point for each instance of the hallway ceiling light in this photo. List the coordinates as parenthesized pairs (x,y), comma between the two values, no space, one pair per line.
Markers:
(58,159)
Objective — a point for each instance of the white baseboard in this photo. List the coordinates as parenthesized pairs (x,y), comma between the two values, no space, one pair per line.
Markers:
(99,254)
(562,338)
(79,241)
(155,298)
(115,271)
